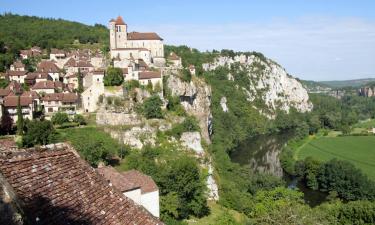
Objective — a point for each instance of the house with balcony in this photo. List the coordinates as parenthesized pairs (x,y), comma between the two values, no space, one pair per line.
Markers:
(60,102)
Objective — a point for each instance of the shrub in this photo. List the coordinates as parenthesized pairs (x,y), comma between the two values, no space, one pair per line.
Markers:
(151,108)
(79,119)
(131,84)
(114,77)
(60,118)
(38,133)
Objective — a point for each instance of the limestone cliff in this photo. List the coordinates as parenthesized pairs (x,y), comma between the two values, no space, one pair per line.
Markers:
(266,81)
(195,97)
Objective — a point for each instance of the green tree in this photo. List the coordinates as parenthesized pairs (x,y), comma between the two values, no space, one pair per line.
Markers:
(38,133)
(78,118)
(113,77)
(151,107)
(6,123)
(4,83)
(80,81)
(60,118)
(19,117)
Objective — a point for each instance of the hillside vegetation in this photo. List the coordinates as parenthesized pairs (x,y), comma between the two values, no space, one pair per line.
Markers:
(22,32)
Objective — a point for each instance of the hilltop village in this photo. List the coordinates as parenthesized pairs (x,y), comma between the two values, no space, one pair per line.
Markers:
(72,82)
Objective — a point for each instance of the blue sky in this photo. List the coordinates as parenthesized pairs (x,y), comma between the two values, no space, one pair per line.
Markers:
(312,39)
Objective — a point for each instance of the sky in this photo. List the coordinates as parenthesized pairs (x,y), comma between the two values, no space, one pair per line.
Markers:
(311,39)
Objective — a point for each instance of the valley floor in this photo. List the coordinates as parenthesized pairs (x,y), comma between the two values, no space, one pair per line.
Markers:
(359,150)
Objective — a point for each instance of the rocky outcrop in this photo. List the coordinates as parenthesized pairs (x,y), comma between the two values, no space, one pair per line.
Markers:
(367,91)
(136,137)
(195,97)
(104,117)
(223,104)
(192,140)
(213,190)
(268,82)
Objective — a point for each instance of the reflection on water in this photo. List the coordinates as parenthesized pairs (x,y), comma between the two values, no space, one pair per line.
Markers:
(262,153)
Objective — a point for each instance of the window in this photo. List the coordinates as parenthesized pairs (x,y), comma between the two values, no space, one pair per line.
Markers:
(50,109)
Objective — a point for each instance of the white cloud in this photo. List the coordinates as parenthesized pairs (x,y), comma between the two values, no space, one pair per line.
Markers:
(305,47)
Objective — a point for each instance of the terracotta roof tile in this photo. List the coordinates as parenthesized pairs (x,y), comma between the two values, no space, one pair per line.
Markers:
(117,179)
(49,84)
(56,187)
(119,21)
(4,92)
(63,97)
(146,183)
(12,101)
(16,73)
(173,56)
(149,75)
(48,67)
(143,36)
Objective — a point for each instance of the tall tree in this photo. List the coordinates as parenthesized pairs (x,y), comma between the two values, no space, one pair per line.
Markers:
(6,123)
(19,117)
(80,81)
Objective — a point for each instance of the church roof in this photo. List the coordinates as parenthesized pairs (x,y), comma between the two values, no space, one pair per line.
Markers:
(144,36)
(120,21)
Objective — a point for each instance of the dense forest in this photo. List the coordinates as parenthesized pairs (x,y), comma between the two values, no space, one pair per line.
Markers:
(23,32)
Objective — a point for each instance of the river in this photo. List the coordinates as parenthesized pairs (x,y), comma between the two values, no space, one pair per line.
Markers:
(261,153)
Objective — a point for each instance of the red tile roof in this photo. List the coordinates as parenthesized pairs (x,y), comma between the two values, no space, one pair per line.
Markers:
(120,21)
(48,67)
(16,73)
(57,187)
(4,92)
(57,51)
(38,75)
(143,36)
(49,84)
(149,75)
(32,94)
(173,56)
(63,97)
(12,101)
(146,183)
(18,64)
(117,179)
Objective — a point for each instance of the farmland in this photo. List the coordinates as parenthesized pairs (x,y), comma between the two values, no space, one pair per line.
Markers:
(359,150)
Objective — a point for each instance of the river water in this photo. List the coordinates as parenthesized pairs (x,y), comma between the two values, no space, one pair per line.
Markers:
(261,153)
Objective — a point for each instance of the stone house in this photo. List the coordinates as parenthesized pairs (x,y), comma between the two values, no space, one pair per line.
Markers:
(57,54)
(175,60)
(47,87)
(17,66)
(35,77)
(28,106)
(18,76)
(56,102)
(57,187)
(134,185)
(153,77)
(51,68)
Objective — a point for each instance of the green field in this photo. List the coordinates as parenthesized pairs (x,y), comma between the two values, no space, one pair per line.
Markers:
(359,150)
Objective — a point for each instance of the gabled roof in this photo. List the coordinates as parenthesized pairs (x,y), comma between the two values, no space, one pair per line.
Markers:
(146,183)
(149,75)
(57,51)
(32,94)
(16,73)
(49,84)
(12,101)
(48,67)
(4,92)
(144,36)
(18,64)
(63,97)
(119,21)
(117,179)
(37,75)
(173,56)
(56,187)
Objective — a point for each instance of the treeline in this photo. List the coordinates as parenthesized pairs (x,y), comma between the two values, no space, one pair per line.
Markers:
(23,32)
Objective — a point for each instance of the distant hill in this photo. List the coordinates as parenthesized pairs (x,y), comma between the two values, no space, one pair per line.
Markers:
(314,86)
(347,83)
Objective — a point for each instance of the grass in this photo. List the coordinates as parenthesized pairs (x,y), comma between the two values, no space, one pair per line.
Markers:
(359,150)
(216,211)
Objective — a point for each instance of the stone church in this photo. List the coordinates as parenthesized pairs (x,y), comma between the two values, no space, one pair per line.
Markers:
(127,47)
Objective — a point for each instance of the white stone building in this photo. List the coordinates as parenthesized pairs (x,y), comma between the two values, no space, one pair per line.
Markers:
(124,46)
(94,88)
(136,186)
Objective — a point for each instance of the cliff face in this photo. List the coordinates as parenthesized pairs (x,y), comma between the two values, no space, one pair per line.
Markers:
(195,97)
(266,81)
